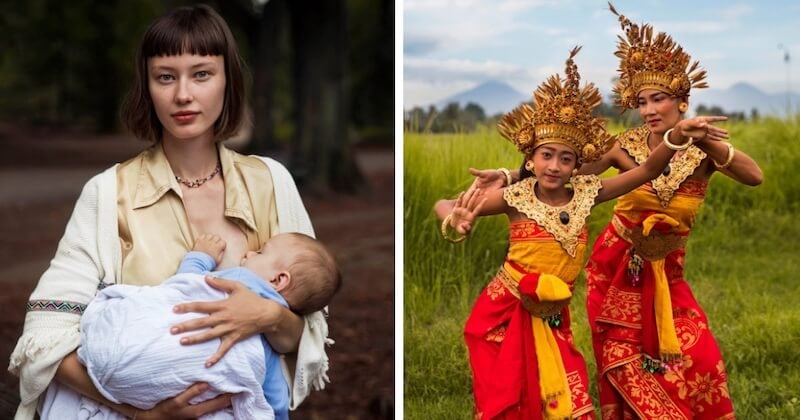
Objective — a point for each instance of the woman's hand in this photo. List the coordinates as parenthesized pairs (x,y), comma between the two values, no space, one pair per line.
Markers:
(179,407)
(466,210)
(236,318)
(702,128)
(487,179)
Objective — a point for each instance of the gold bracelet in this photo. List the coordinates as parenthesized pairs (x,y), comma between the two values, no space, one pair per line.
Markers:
(676,147)
(445,225)
(729,160)
(507,173)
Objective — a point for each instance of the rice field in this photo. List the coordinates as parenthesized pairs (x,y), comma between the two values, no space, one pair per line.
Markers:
(741,263)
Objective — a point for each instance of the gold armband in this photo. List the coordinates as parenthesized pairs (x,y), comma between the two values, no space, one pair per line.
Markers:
(729,159)
(673,146)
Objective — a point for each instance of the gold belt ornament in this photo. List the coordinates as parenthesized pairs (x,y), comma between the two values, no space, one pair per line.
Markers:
(655,246)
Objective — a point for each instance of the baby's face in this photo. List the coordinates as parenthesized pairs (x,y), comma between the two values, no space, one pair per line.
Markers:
(271,259)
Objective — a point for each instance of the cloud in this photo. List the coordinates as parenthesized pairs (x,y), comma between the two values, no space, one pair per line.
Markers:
(453,69)
(736,11)
(423,93)
(502,5)
(458,25)
(430,80)
(696,27)
(419,45)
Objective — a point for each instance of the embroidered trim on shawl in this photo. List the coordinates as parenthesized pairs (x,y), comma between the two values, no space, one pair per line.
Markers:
(634,142)
(521,196)
(55,306)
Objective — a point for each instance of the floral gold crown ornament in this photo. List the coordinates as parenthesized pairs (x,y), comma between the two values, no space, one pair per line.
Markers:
(561,113)
(648,62)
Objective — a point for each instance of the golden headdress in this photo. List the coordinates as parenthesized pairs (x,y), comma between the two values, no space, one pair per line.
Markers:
(648,62)
(561,113)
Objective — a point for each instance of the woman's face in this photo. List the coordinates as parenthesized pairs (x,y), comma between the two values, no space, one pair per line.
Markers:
(658,110)
(188,92)
(553,164)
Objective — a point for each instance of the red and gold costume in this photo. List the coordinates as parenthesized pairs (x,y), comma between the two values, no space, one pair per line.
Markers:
(655,354)
(524,362)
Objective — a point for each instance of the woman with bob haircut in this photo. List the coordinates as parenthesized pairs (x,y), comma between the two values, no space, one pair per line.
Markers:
(133,223)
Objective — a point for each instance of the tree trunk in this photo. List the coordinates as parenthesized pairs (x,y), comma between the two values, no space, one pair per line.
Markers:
(273,17)
(321,155)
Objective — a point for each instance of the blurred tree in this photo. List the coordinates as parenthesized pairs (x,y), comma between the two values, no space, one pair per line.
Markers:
(63,63)
(321,152)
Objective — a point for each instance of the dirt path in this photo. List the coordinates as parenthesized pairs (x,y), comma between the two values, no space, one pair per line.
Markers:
(35,202)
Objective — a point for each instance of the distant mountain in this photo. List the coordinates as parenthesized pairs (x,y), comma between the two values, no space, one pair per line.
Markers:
(493,96)
(744,97)
(498,97)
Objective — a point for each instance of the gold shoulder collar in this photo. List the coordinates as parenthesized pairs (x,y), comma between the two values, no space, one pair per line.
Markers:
(634,142)
(521,196)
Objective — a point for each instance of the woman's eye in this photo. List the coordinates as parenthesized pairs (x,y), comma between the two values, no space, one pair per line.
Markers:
(165,77)
(202,74)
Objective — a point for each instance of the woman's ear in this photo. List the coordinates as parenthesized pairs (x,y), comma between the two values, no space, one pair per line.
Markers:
(683,106)
(281,281)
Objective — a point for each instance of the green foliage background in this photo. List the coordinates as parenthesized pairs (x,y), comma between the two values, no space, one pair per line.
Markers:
(741,263)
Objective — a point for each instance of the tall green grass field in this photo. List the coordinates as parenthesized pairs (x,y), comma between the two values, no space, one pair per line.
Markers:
(742,264)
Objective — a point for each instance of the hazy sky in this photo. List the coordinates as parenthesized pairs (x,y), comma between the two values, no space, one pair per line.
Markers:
(453,45)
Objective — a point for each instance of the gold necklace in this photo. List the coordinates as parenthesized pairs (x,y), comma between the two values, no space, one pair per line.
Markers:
(200,181)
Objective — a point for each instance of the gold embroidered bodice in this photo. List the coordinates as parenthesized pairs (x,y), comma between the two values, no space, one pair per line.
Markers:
(642,202)
(634,141)
(522,197)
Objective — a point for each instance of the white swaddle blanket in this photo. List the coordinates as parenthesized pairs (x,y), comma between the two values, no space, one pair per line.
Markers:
(132,358)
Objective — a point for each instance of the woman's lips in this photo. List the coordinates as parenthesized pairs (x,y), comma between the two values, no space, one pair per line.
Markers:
(185,117)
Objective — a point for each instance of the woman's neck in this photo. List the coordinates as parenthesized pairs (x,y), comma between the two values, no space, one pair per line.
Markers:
(653,140)
(553,197)
(191,159)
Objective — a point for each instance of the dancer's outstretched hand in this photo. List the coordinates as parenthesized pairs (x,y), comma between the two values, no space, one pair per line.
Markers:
(467,209)
(487,179)
(703,128)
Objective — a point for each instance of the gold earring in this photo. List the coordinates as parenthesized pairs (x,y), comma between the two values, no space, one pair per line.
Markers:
(529,165)
(683,107)
(575,172)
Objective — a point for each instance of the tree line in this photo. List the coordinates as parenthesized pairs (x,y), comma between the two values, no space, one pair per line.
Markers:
(455,119)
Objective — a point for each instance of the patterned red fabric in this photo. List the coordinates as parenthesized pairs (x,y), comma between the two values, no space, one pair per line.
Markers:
(621,317)
(503,358)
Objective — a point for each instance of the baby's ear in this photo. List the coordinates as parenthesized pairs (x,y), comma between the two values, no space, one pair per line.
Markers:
(281,281)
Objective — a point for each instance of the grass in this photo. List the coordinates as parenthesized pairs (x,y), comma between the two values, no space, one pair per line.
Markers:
(741,263)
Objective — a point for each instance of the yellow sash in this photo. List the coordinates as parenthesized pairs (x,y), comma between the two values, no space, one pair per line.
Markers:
(553,385)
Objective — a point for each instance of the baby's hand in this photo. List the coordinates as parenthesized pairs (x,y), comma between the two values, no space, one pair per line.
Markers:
(210,244)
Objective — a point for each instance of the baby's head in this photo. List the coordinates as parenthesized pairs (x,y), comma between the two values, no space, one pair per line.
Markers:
(299,267)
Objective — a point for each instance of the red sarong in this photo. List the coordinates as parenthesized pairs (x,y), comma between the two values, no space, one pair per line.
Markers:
(503,359)
(621,317)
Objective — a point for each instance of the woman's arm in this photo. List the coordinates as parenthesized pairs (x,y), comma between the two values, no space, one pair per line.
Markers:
(741,167)
(606,161)
(73,374)
(699,128)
